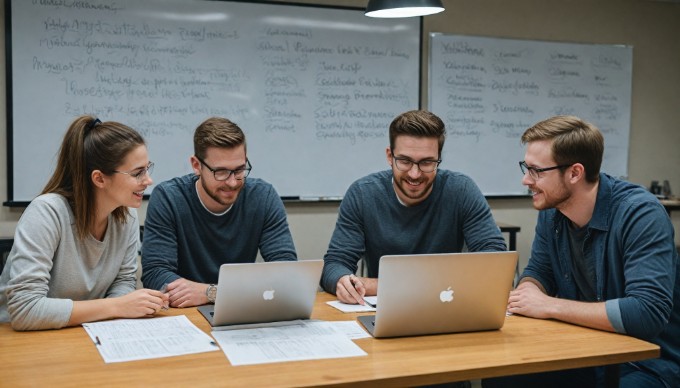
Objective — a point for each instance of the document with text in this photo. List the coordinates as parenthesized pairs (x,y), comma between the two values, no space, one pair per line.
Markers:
(139,339)
(308,340)
(371,303)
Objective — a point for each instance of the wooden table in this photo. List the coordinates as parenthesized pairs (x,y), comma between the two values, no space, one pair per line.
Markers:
(670,204)
(68,357)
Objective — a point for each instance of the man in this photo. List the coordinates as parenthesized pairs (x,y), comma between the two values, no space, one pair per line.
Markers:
(603,256)
(199,221)
(412,208)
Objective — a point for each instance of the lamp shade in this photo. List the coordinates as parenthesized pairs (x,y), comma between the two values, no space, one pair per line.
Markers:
(402,8)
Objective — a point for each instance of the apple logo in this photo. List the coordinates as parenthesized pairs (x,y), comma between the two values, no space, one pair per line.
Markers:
(446,295)
(268,295)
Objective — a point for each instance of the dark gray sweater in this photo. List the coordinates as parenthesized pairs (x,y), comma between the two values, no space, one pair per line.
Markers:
(372,223)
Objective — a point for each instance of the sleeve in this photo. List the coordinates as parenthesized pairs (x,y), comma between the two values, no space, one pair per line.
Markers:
(126,280)
(649,255)
(159,246)
(347,244)
(36,239)
(276,242)
(479,228)
(539,267)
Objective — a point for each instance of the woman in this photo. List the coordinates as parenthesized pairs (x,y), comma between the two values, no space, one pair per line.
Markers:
(74,257)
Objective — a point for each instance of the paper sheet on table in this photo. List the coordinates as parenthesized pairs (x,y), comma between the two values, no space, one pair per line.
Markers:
(355,308)
(351,329)
(310,340)
(139,339)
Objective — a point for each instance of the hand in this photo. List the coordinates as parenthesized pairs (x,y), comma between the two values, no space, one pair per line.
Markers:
(185,293)
(350,289)
(528,300)
(141,303)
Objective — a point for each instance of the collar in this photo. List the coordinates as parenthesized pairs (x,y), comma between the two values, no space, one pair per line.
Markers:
(602,209)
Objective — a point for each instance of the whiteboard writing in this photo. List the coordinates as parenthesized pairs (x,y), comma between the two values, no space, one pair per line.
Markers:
(310,86)
(489,91)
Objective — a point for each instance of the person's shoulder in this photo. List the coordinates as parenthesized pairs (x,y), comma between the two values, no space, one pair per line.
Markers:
(258,186)
(626,193)
(51,200)
(452,175)
(257,189)
(379,178)
(456,181)
(50,206)
(178,184)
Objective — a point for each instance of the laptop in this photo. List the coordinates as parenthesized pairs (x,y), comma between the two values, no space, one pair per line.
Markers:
(265,292)
(441,293)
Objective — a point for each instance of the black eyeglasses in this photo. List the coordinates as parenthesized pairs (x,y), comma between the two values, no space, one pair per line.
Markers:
(535,173)
(138,173)
(406,164)
(222,174)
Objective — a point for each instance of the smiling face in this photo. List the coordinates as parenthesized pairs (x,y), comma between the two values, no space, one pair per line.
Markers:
(413,186)
(216,195)
(549,190)
(124,189)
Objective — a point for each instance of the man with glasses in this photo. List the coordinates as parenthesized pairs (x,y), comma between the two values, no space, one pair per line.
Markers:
(412,208)
(197,222)
(603,256)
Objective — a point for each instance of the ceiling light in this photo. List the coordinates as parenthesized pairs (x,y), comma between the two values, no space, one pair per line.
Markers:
(402,8)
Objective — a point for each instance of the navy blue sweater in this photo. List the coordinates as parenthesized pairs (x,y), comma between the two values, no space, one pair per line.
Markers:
(183,239)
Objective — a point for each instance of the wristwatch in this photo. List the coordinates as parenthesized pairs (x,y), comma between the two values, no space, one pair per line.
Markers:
(211,292)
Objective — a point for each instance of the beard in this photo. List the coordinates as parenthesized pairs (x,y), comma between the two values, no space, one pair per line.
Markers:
(403,187)
(557,197)
(214,194)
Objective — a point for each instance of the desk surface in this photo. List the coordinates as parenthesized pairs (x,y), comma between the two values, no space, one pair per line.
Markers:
(523,345)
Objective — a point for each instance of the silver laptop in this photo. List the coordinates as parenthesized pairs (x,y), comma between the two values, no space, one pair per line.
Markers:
(441,293)
(264,292)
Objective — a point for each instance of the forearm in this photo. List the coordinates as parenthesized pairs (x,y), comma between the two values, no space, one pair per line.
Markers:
(93,310)
(530,300)
(593,315)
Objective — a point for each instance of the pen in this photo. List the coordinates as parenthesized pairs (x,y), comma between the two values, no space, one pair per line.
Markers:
(353,281)
(97,342)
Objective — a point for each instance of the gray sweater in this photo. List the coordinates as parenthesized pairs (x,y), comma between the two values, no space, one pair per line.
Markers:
(49,267)
(373,223)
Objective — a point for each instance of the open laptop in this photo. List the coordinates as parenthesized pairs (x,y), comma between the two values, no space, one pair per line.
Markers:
(264,292)
(441,293)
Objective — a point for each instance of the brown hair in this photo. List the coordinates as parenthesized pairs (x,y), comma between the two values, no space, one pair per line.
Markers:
(217,132)
(418,123)
(89,145)
(573,141)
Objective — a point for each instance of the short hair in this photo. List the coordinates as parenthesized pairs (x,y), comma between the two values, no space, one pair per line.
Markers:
(217,132)
(573,141)
(418,123)
(90,145)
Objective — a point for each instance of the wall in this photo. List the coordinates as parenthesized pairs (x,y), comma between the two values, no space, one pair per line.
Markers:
(651,27)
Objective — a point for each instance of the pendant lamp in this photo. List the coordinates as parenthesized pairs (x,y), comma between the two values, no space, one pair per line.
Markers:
(402,8)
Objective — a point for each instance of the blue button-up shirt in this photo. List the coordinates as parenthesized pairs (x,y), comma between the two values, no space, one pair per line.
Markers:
(631,239)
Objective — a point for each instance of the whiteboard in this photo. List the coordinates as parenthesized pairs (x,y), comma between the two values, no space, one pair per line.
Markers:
(489,91)
(314,88)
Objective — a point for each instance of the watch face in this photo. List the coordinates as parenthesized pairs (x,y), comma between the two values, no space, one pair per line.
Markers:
(211,292)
